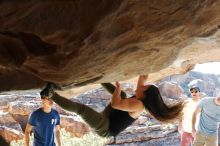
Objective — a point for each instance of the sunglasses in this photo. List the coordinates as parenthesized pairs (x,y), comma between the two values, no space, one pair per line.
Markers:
(194,91)
(46,98)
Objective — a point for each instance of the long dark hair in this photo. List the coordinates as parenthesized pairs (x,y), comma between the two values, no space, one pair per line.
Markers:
(154,103)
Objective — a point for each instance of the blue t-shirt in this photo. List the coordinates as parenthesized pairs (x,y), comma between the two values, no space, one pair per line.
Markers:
(209,117)
(44,124)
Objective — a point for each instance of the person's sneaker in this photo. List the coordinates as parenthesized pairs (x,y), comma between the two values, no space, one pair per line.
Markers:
(48,91)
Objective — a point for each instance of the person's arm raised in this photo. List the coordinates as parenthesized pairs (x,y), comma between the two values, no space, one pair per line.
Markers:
(141,80)
(130,104)
(116,96)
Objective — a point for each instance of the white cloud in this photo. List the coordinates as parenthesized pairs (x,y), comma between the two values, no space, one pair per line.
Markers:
(212,68)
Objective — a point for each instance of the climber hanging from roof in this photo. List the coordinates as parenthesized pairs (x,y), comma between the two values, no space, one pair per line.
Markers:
(122,111)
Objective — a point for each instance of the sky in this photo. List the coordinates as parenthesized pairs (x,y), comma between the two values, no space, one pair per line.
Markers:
(212,68)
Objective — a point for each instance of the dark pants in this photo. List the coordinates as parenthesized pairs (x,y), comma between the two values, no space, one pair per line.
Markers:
(98,121)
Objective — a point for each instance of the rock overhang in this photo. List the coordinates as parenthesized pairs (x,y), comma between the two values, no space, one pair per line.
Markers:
(77,43)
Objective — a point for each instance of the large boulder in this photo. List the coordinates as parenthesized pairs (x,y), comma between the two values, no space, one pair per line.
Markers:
(144,135)
(74,125)
(9,128)
(170,90)
(76,43)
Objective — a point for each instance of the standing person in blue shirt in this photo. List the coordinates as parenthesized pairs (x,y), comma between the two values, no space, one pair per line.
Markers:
(44,121)
(207,133)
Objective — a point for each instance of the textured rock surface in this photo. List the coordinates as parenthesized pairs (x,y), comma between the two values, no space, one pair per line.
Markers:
(170,90)
(92,41)
(144,133)
(9,128)
(171,139)
(77,128)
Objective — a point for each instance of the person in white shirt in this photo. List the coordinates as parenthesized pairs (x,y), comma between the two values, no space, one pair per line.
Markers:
(185,126)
